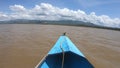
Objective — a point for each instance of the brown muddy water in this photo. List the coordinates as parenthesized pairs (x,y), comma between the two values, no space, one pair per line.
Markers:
(24,45)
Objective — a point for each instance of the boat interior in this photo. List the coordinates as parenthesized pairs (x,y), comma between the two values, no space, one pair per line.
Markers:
(71,60)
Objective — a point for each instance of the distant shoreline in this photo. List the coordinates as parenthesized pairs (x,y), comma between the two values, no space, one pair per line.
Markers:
(107,28)
(63,23)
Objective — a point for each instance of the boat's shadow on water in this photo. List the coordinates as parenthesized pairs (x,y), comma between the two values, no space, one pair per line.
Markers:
(71,60)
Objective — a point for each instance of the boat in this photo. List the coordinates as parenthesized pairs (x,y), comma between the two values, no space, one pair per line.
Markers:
(64,54)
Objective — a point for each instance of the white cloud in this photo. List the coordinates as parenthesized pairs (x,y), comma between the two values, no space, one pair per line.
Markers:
(4,16)
(46,11)
(17,8)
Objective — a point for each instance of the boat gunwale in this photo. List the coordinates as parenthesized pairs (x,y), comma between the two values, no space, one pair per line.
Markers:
(47,55)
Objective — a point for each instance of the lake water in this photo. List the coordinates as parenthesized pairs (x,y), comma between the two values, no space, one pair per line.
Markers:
(24,45)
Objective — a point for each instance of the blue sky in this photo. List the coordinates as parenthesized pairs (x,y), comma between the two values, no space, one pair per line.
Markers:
(100,7)
(99,12)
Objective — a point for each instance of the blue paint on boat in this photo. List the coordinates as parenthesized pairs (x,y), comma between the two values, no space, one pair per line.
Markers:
(73,58)
(67,45)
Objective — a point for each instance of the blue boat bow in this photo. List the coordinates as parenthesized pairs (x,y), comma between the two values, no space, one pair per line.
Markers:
(65,50)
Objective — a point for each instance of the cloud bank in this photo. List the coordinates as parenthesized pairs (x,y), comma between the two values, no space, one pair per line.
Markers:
(46,11)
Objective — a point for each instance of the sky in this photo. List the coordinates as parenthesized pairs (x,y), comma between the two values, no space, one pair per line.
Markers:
(96,11)
(100,7)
